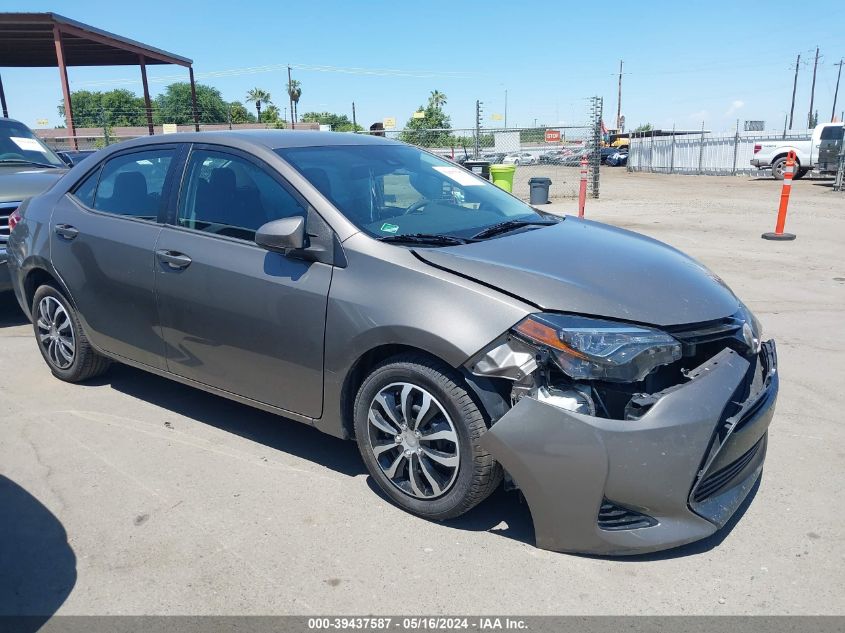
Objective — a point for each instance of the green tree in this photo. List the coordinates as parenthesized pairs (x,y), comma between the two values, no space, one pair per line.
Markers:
(96,109)
(433,129)
(338,122)
(294,92)
(259,96)
(270,114)
(645,127)
(174,105)
(239,114)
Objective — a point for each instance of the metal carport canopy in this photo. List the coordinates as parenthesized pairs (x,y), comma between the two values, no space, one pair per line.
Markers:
(29,40)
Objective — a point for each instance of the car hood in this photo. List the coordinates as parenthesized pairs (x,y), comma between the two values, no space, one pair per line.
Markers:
(18,183)
(593,269)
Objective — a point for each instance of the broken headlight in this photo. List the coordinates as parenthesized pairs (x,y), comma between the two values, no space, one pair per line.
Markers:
(593,349)
(752,330)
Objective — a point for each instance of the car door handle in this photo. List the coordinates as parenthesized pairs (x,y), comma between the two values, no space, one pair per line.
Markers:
(66,231)
(174,259)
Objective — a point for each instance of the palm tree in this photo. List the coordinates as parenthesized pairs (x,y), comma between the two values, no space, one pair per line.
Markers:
(294,92)
(437,99)
(257,96)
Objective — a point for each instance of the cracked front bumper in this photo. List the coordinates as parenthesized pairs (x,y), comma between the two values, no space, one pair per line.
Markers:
(685,466)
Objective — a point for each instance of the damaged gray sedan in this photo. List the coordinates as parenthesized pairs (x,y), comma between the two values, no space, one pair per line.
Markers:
(464,339)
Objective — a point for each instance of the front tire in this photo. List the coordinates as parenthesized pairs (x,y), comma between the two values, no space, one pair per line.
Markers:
(418,432)
(60,339)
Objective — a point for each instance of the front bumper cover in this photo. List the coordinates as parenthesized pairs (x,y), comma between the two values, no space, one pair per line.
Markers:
(687,464)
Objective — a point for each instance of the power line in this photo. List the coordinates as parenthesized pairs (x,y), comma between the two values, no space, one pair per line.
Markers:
(251,70)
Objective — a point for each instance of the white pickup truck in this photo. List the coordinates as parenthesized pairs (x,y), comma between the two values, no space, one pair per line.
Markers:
(820,152)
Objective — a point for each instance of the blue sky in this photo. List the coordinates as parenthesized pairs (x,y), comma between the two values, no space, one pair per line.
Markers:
(684,62)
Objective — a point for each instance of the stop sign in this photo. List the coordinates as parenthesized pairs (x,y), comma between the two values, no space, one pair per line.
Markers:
(552,136)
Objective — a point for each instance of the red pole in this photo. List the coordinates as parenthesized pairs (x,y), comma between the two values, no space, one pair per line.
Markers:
(784,202)
(582,192)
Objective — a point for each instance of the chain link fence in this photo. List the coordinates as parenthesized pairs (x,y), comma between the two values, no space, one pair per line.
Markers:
(839,183)
(701,153)
(553,152)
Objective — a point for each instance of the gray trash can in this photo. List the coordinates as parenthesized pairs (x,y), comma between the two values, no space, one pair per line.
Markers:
(540,190)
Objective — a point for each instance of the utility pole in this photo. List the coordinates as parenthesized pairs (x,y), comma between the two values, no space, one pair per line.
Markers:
(619,101)
(836,92)
(794,86)
(506,108)
(291,100)
(354,120)
(813,89)
(478,115)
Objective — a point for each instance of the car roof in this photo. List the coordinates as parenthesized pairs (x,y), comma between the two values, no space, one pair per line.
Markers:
(269,139)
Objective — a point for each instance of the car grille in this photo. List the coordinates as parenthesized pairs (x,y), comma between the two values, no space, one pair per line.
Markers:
(715,482)
(613,517)
(6,209)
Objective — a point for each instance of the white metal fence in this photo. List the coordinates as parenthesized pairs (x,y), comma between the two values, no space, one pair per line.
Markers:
(705,153)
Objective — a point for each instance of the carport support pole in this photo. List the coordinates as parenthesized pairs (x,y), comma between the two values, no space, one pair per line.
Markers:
(3,100)
(194,99)
(147,105)
(60,58)
(672,155)
(701,149)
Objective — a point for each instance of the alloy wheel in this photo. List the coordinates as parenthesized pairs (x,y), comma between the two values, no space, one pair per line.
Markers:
(413,440)
(55,332)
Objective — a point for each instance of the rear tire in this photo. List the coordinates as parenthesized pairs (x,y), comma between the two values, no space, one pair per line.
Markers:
(416,473)
(60,339)
(779,166)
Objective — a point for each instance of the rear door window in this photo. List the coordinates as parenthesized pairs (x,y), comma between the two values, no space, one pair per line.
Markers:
(86,190)
(132,184)
(228,195)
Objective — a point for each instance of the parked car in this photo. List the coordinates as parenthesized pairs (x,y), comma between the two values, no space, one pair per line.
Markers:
(27,167)
(378,292)
(823,143)
(617,159)
(607,152)
(75,156)
(495,158)
(520,158)
(552,156)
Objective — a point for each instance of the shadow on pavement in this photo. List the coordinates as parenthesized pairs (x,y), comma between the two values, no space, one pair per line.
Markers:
(10,311)
(502,513)
(276,432)
(295,438)
(37,565)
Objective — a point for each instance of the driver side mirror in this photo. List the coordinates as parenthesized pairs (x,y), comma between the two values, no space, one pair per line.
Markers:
(287,234)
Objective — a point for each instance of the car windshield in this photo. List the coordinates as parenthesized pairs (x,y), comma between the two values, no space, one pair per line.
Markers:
(19,144)
(395,190)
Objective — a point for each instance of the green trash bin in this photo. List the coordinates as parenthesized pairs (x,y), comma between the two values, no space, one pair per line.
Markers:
(502,176)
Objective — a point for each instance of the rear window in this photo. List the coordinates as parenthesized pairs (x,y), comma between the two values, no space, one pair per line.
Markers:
(832,133)
(132,184)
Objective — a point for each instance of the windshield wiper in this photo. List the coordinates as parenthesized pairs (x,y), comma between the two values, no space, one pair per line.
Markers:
(27,162)
(425,238)
(509,225)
